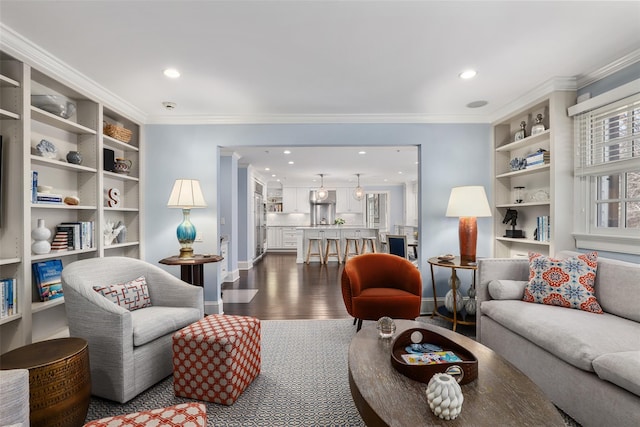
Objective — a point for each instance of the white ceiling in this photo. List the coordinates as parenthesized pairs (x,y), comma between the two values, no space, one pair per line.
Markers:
(325,61)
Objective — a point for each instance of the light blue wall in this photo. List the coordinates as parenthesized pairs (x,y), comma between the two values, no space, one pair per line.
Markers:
(449,154)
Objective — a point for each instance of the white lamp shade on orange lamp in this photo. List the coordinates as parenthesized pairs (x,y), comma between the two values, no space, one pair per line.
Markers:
(186,194)
(468,203)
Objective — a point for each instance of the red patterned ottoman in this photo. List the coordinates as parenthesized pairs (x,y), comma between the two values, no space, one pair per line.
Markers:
(185,415)
(216,358)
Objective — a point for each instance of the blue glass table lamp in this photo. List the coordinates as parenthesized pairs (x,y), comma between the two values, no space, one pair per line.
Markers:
(186,194)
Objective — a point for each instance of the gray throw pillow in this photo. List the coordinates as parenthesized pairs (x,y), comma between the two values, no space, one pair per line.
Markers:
(507,289)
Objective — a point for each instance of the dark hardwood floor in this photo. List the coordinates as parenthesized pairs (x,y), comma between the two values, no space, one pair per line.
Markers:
(287,290)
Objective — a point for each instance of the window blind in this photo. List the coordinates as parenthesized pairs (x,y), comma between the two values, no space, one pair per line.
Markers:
(608,138)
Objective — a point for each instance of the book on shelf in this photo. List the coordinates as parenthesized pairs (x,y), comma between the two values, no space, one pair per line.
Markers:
(543,229)
(80,234)
(8,297)
(60,242)
(47,275)
(538,158)
(34,186)
(49,198)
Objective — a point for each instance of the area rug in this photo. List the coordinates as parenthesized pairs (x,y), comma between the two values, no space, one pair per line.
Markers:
(241,296)
(303,381)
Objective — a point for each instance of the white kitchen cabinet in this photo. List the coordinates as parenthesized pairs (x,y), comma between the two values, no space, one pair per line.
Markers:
(274,237)
(346,203)
(295,200)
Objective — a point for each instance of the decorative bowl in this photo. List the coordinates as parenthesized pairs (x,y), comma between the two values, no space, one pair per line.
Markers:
(54,104)
(446,257)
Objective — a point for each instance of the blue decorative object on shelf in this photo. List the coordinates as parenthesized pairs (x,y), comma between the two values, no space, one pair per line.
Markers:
(46,149)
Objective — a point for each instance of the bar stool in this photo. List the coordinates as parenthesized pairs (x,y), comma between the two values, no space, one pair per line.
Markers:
(347,247)
(318,253)
(327,253)
(371,241)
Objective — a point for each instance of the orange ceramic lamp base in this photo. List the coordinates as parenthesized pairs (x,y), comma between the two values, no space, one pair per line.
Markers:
(468,235)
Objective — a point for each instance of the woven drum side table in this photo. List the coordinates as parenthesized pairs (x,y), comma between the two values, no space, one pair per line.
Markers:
(59,380)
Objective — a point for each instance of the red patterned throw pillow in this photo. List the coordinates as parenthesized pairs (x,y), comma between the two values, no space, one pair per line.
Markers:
(131,295)
(563,282)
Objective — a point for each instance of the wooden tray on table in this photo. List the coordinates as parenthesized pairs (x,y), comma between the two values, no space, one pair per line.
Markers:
(467,366)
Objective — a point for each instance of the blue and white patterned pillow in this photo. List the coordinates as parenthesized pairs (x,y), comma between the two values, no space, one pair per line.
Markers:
(132,295)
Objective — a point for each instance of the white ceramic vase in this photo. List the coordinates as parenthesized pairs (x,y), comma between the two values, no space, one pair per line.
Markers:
(40,234)
(444,396)
(448,300)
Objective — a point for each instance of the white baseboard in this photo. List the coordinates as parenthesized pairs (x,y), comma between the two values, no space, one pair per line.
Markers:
(213,307)
(245,265)
(232,276)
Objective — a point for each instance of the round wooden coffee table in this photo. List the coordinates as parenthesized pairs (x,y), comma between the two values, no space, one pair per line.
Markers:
(59,380)
(501,395)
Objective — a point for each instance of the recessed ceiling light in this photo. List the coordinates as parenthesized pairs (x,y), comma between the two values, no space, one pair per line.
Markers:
(273,175)
(399,172)
(477,104)
(172,73)
(362,152)
(168,105)
(287,152)
(267,169)
(291,162)
(468,74)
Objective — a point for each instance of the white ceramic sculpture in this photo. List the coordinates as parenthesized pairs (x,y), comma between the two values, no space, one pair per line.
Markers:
(444,396)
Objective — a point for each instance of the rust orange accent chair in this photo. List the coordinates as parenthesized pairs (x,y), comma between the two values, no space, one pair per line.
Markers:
(377,285)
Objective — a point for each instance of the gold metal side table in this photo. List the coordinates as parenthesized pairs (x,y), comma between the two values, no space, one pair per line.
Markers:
(462,318)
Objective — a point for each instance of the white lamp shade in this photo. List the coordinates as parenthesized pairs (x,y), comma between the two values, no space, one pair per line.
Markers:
(468,201)
(186,193)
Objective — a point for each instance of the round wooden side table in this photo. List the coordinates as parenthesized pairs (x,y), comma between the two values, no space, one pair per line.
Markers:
(59,380)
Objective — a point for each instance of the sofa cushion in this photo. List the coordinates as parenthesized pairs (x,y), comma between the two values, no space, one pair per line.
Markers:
(507,289)
(618,288)
(132,295)
(575,336)
(565,282)
(621,369)
(154,322)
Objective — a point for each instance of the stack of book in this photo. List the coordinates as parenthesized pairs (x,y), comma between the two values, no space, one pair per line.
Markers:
(543,229)
(8,297)
(80,234)
(538,158)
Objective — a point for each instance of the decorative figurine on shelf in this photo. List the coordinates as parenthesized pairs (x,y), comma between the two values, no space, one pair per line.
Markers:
(111,231)
(518,163)
(519,194)
(538,127)
(46,149)
(522,133)
(512,217)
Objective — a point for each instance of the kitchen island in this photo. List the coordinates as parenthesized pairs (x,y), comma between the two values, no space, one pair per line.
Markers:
(330,231)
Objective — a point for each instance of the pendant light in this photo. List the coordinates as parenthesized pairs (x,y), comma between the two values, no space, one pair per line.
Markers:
(358,192)
(322,192)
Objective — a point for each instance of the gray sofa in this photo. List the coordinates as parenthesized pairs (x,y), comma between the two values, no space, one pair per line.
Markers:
(587,364)
(129,351)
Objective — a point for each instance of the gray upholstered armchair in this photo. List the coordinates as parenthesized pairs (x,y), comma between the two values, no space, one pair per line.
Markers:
(129,350)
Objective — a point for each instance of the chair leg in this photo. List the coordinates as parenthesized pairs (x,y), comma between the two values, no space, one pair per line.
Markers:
(359,325)
(355,319)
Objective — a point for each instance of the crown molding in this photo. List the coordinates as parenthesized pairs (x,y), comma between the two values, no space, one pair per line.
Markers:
(552,85)
(31,54)
(317,119)
(609,69)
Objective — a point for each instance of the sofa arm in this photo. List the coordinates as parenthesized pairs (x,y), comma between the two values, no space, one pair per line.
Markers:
(496,269)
